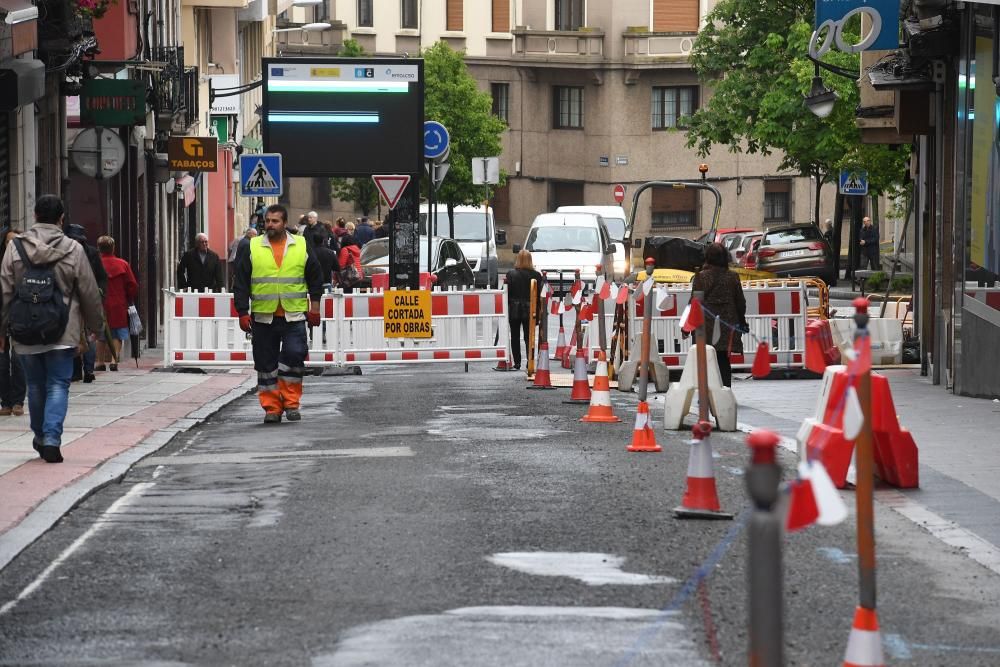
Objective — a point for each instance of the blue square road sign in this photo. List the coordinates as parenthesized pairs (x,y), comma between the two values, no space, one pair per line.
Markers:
(260,174)
(853,182)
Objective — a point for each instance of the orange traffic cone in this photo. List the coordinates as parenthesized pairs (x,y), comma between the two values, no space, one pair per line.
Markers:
(581,388)
(643,437)
(600,398)
(543,379)
(560,343)
(701,501)
(864,646)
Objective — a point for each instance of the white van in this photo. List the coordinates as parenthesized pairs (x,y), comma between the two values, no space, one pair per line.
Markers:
(569,242)
(476,233)
(617,224)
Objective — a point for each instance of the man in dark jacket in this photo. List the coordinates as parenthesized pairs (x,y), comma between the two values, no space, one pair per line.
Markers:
(364,232)
(200,268)
(868,245)
(314,231)
(83,366)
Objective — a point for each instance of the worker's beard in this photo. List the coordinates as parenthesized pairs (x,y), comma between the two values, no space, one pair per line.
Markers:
(273,234)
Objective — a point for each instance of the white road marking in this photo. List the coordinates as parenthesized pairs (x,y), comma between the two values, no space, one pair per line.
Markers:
(594,569)
(261,457)
(517,635)
(104,519)
(949,532)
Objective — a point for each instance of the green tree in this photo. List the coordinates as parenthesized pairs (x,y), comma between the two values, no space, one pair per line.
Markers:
(452,98)
(753,55)
(359,191)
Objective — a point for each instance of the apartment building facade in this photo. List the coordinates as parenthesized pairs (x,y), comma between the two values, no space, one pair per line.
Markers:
(593,93)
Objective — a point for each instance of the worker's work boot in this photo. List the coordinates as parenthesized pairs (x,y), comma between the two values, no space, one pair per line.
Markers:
(272,418)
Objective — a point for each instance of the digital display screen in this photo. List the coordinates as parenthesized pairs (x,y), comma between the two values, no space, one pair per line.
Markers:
(348,117)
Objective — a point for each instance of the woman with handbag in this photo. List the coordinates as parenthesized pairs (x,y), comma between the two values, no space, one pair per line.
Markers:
(122,290)
(725,307)
(349,260)
(519,302)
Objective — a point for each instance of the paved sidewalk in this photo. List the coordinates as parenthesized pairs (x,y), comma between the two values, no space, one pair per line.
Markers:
(959,443)
(111,423)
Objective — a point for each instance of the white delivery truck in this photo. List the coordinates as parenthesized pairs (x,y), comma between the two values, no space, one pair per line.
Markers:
(617,224)
(563,243)
(476,233)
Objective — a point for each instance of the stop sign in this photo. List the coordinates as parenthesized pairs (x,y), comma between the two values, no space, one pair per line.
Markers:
(619,192)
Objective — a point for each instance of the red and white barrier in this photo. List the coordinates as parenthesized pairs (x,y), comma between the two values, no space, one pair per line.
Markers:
(203,330)
(777,315)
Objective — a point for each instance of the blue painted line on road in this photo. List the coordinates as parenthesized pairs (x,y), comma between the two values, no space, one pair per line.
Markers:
(690,586)
(836,555)
(900,649)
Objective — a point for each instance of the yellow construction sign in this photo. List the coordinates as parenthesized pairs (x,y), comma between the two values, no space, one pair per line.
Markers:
(407,314)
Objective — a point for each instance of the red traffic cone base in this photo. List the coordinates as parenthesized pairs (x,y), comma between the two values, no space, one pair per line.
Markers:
(643,437)
(600,398)
(701,500)
(864,646)
(543,378)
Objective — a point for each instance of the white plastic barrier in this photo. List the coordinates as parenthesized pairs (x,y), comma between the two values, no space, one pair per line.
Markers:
(203,330)
(886,337)
(777,315)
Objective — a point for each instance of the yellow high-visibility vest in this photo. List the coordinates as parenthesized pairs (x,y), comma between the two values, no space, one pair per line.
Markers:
(271,285)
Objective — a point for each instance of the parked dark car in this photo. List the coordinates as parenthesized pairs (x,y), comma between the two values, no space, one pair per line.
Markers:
(448,264)
(796,251)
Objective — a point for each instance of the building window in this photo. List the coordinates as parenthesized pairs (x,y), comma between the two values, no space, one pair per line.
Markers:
(366,17)
(501,15)
(777,200)
(454,20)
(501,101)
(567,107)
(321,192)
(674,207)
(569,14)
(322,11)
(671,104)
(675,15)
(408,15)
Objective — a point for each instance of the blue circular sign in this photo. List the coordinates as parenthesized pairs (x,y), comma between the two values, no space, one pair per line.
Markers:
(435,140)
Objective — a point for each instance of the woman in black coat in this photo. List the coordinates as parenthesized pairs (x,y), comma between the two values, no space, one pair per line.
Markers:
(722,296)
(519,302)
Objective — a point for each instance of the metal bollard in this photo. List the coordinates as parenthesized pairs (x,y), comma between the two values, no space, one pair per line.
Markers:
(765,571)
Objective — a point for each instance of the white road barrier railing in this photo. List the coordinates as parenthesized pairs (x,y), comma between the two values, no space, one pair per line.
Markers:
(202,330)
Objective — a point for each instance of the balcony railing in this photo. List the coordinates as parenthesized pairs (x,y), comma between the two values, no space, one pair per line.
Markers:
(670,45)
(585,43)
(175,90)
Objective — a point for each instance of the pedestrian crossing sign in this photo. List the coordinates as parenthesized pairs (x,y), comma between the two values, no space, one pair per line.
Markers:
(853,182)
(260,174)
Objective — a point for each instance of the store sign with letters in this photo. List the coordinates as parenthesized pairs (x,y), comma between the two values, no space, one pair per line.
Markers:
(112,102)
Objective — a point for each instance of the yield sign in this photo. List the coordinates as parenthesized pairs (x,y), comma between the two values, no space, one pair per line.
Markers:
(391,187)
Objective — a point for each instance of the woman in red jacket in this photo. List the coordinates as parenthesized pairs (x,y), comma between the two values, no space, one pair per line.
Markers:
(349,261)
(122,290)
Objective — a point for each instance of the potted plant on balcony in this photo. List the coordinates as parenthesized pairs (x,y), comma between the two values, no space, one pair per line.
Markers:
(93,9)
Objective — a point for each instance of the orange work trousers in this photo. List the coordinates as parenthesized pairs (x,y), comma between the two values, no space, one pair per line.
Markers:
(279,353)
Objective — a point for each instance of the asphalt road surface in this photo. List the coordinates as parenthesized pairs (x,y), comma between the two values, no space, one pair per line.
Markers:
(428,516)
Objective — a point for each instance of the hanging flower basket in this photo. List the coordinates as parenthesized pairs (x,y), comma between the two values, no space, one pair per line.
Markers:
(94,9)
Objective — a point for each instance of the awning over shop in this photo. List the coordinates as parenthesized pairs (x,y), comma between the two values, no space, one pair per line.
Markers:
(22,82)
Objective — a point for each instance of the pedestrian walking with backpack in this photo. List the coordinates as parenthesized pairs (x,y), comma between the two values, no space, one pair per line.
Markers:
(49,294)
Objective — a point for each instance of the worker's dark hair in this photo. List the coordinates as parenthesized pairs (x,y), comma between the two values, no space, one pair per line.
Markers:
(716,255)
(278,208)
(49,209)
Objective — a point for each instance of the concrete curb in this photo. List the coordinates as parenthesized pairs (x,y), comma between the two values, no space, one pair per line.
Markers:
(53,508)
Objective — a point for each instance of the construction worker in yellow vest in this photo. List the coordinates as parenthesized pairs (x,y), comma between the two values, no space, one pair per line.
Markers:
(277,290)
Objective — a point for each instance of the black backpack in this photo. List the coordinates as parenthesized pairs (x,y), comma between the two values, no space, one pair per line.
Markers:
(38,312)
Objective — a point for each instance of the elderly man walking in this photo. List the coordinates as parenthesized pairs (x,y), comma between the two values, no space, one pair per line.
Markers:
(200,268)
(277,290)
